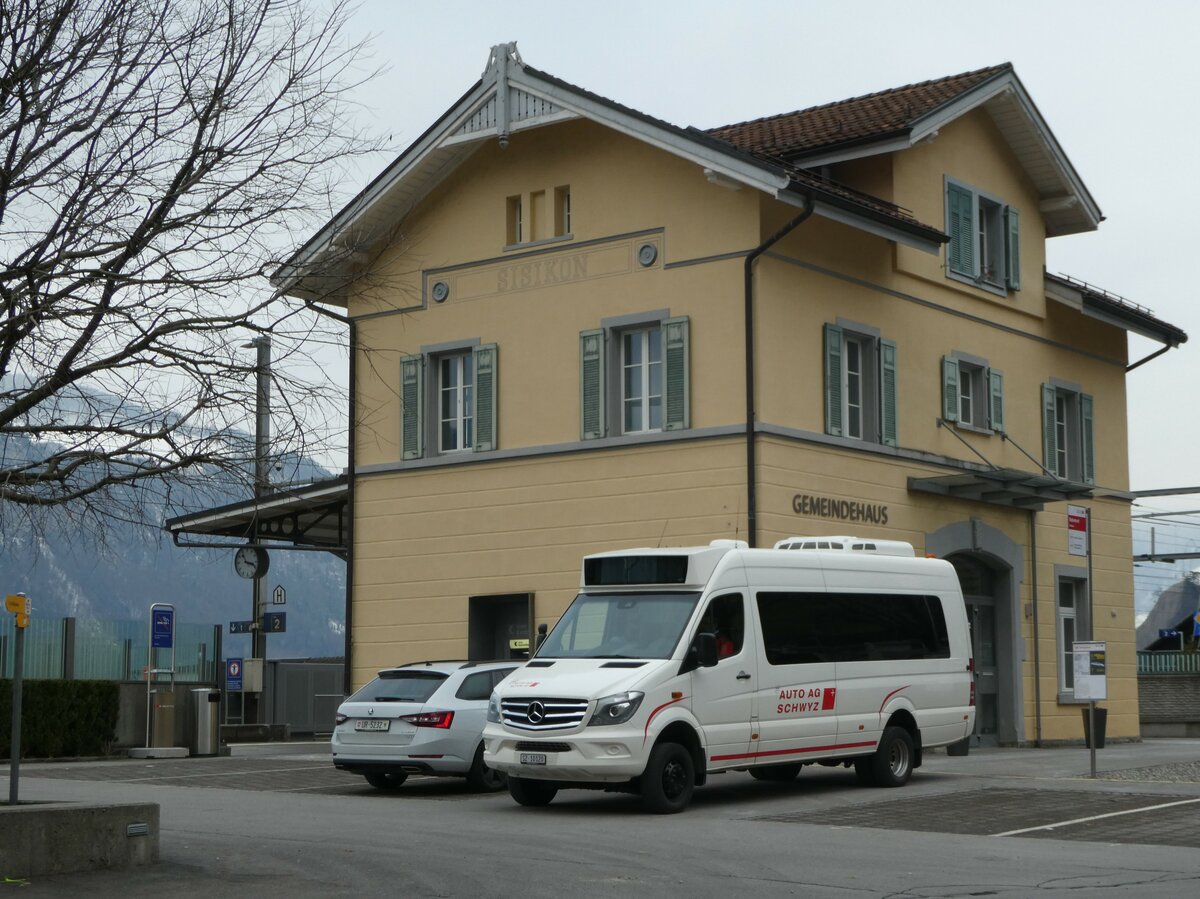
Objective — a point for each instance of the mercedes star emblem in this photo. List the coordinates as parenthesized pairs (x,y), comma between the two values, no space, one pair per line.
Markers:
(537,712)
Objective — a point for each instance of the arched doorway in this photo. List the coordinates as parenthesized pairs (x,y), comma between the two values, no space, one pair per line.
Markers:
(979,592)
(990,567)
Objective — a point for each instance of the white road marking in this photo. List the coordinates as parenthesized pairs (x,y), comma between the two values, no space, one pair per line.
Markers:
(1132,811)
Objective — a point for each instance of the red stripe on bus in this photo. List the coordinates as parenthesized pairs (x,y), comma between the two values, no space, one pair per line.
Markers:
(646,732)
(889,696)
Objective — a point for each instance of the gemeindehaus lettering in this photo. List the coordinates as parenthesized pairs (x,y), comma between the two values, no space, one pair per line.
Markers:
(842,509)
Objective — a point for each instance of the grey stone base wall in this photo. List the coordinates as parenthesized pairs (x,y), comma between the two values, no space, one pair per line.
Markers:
(1168,699)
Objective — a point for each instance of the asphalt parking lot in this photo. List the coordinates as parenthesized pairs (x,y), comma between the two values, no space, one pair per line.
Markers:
(1144,793)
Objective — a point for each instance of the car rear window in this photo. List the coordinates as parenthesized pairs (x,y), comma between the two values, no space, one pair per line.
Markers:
(400,686)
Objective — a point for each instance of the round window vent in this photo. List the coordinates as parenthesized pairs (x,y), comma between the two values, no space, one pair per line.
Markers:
(441,290)
(647,254)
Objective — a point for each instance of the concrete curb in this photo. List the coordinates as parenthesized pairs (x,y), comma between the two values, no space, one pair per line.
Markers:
(40,838)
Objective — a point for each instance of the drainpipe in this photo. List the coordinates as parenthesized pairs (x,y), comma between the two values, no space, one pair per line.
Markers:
(1037,667)
(751,483)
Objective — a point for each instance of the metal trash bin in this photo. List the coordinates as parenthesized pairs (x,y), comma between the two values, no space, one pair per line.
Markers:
(206,735)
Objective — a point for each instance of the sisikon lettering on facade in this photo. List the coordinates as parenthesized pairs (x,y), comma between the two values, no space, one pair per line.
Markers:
(843,509)
(541,273)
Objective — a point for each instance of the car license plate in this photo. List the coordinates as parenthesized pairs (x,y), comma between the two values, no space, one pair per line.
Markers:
(372,724)
(533,758)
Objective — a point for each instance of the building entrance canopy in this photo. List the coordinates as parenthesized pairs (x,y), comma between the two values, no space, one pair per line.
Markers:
(1004,487)
(312,517)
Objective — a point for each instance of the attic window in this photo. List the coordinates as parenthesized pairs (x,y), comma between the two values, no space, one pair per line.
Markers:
(562,211)
(516,222)
(984,247)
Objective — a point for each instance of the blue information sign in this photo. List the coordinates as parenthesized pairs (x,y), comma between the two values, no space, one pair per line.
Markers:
(274,622)
(162,628)
(241,627)
(233,675)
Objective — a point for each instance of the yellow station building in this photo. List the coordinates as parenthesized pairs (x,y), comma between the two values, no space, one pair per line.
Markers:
(578,328)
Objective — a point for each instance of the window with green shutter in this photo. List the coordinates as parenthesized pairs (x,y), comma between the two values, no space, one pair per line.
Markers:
(1068,433)
(486,359)
(984,247)
(635,376)
(860,385)
(972,393)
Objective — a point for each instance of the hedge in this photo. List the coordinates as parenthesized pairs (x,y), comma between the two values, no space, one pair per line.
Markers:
(61,718)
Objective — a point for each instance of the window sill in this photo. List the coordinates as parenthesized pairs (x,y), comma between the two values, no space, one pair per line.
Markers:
(525,245)
(974,429)
(998,289)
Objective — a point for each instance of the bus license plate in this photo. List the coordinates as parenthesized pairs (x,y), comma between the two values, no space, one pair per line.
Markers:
(372,724)
(533,758)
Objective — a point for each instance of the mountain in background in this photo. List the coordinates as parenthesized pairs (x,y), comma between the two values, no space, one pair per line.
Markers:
(68,571)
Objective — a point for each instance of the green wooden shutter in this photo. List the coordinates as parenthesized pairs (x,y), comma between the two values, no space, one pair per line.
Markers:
(949,389)
(960,222)
(1086,432)
(412,402)
(833,380)
(996,394)
(676,387)
(887,392)
(1012,248)
(1049,436)
(591,384)
(486,358)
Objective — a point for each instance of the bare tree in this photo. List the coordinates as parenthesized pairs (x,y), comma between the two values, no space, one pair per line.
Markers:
(158,158)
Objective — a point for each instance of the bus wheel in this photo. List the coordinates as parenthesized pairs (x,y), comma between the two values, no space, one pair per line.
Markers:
(669,779)
(892,764)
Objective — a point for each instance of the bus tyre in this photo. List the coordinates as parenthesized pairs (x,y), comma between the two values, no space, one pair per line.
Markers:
(386,781)
(776,773)
(669,779)
(531,792)
(483,779)
(892,763)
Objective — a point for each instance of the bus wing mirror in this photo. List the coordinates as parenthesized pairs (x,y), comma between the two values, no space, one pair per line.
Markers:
(706,650)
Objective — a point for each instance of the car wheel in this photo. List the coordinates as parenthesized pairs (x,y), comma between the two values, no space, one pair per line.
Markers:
(892,764)
(776,773)
(531,792)
(388,781)
(483,779)
(669,779)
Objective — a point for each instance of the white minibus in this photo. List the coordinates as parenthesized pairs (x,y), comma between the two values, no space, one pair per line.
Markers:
(672,665)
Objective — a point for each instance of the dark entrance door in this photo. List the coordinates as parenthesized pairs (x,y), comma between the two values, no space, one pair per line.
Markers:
(981,615)
(498,627)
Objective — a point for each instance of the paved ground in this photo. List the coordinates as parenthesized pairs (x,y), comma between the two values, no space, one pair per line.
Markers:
(1145,792)
(278,822)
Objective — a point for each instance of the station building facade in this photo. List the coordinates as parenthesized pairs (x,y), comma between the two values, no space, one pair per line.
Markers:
(577,328)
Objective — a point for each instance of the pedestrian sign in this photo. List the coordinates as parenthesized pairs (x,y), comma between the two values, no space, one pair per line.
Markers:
(233,675)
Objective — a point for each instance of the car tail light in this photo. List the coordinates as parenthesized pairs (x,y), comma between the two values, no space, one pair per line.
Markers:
(430,719)
(971,669)
(339,718)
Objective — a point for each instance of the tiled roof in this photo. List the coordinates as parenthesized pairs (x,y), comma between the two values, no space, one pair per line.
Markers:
(858,120)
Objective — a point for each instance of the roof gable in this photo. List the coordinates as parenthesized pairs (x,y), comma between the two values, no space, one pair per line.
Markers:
(896,119)
(511,96)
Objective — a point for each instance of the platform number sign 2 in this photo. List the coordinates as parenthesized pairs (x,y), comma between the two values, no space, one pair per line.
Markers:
(275,622)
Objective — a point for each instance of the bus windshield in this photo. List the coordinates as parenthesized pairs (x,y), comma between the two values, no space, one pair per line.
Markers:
(620,626)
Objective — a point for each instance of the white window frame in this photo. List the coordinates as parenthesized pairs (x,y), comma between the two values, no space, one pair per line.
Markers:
(862,347)
(1074,579)
(646,336)
(464,401)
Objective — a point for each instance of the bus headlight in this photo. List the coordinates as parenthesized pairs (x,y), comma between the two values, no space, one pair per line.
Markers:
(493,712)
(616,709)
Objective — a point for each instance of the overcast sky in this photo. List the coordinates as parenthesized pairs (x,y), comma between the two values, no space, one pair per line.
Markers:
(1117,83)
